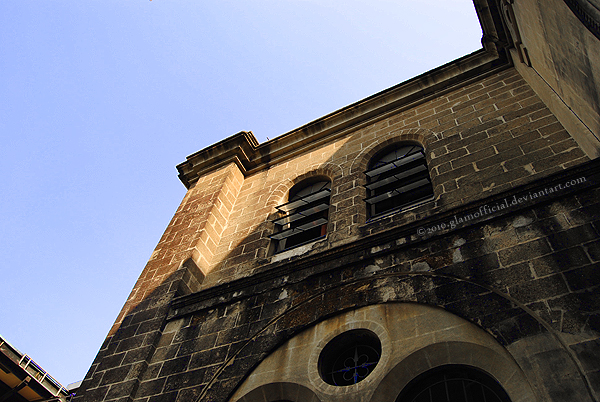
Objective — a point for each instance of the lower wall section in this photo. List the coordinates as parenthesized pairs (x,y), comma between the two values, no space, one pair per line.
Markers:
(414,338)
(514,293)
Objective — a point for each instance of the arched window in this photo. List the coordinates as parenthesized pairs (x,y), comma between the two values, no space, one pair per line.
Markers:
(453,383)
(304,218)
(398,178)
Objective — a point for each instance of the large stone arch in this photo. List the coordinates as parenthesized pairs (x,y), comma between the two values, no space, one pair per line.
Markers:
(280,391)
(414,337)
(499,366)
(370,289)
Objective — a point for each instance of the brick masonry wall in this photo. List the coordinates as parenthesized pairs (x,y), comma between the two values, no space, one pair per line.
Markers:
(173,270)
(480,139)
(528,276)
(217,217)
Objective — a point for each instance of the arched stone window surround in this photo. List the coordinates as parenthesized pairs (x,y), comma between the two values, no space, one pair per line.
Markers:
(405,164)
(504,370)
(279,392)
(281,194)
(421,137)
(459,382)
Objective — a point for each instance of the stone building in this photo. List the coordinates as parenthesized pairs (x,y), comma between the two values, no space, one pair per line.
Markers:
(436,241)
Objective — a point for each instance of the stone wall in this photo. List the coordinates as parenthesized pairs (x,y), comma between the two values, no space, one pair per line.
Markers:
(482,139)
(561,60)
(527,275)
(503,261)
(174,269)
(414,338)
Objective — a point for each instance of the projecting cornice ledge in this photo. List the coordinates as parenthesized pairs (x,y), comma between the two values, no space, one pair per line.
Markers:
(359,252)
(588,12)
(240,149)
(244,150)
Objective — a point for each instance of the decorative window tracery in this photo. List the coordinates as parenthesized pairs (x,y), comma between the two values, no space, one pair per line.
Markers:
(398,179)
(349,357)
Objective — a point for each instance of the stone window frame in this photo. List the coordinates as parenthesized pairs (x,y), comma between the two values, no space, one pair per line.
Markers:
(280,391)
(303,215)
(333,365)
(385,175)
(504,370)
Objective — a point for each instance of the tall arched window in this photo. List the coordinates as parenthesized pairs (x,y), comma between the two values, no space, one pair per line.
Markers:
(304,218)
(453,383)
(398,178)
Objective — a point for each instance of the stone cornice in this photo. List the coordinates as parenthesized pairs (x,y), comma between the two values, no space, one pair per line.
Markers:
(588,12)
(244,150)
(240,149)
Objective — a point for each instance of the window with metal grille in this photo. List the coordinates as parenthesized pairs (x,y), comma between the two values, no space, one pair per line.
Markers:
(304,218)
(397,179)
(349,357)
(453,383)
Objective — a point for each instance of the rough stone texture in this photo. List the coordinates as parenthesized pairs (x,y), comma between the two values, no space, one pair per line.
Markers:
(561,54)
(506,139)
(524,272)
(173,270)
(509,247)
(423,335)
(518,278)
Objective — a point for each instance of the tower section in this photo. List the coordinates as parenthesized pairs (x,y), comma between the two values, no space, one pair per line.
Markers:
(441,238)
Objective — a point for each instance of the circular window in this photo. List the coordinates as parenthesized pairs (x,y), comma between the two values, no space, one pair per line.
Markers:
(349,357)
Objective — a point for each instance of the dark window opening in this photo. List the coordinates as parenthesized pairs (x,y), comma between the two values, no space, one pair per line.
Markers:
(304,218)
(398,179)
(349,357)
(453,383)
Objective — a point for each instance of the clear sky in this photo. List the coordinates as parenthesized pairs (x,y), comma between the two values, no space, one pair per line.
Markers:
(99,100)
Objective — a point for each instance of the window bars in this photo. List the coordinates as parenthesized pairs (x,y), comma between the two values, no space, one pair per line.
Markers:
(304,218)
(397,180)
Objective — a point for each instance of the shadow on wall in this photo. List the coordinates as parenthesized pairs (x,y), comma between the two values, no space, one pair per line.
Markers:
(481,274)
(467,272)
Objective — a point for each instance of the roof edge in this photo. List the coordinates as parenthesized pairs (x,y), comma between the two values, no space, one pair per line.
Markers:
(245,151)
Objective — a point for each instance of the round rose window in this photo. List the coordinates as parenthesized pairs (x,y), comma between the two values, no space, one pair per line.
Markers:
(349,357)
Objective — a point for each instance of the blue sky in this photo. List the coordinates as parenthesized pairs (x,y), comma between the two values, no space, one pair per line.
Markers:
(99,100)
